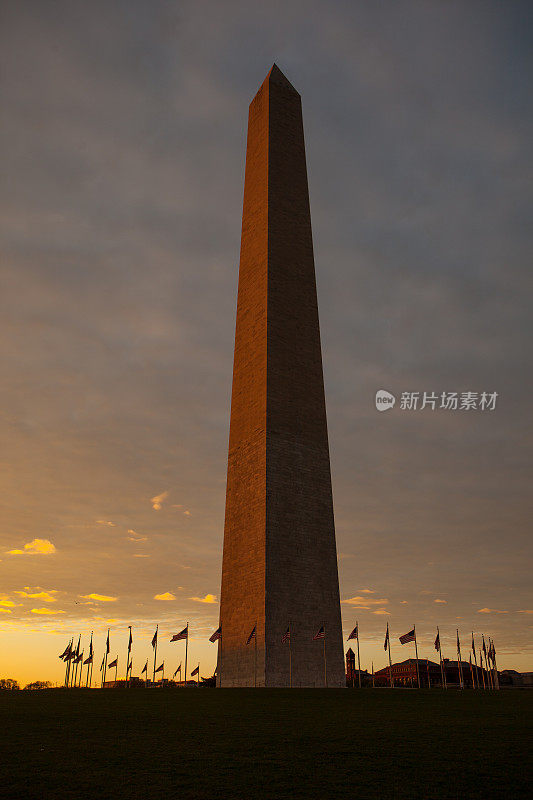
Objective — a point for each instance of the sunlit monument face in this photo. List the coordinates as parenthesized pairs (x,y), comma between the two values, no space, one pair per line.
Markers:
(280,564)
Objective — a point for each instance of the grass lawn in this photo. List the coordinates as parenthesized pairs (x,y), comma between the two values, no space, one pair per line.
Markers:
(266,743)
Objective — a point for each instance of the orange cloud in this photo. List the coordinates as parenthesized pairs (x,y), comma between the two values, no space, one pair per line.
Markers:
(158,500)
(133,536)
(381,611)
(490,611)
(526,611)
(7,603)
(209,598)
(365,602)
(43,547)
(45,611)
(106,522)
(164,596)
(5,611)
(48,597)
(367,591)
(438,600)
(100,598)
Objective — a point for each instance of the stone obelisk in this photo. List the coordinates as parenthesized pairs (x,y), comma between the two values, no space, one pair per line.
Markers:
(280,563)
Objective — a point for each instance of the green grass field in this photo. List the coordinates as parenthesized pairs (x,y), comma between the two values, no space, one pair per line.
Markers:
(265,743)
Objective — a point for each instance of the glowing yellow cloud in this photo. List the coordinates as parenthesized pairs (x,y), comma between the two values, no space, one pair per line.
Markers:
(490,611)
(438,600)
(48,597)
(187,513)
(367,591)
(165,596)
(7,603)
(381,611)
(209,598)
(5,611)
(158,500)
(45,611)
(43,547)
(106,522)
(100,598)
(364,602)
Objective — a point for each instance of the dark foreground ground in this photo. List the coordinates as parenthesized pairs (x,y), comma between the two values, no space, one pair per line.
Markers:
(253,744)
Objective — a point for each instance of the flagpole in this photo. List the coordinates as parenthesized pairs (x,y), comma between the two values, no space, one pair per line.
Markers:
(358,656)
(459,662)
(442,671)
(482,670)
(198,682)
(471,671)
(496,677)
(325,662)
(67,668)
(89,665)
(416,655)
(489,676)
(373,684)
(429,677)
(475,662)
(128,657)
(105,662)
(155,651)
(116,672)
(186,651)
(391,681)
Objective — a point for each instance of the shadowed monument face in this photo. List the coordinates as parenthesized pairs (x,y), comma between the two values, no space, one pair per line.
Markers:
(279,563)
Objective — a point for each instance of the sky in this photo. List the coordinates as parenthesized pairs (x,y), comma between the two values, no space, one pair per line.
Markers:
(124,132)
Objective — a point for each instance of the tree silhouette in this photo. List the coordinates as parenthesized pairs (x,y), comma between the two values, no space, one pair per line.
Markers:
(9,683)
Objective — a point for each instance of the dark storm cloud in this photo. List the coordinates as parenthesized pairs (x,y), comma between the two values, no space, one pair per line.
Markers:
(124,126)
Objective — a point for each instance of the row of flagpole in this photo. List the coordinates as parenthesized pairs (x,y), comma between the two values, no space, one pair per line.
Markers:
(489,653)
(74,657)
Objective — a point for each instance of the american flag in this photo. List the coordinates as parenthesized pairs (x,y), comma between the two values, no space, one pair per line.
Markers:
(286,636)
(178,670)
(196,670)
(473,645)
(354,634)
(145,669)
(113,663)
(386,642)
(408,637)
(216,635)
(320,634)
(65,652)
(437,642)
(252,635)
(154,639)
(181,635)
(130,641)
(88,660)
(107,648)
(161,667)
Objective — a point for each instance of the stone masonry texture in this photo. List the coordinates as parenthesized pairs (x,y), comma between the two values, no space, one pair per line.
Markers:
(279,562)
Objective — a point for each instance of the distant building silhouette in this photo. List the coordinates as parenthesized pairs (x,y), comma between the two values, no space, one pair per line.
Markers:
(404,673)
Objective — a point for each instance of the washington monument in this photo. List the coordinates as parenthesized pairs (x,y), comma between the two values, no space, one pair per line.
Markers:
(279,570)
